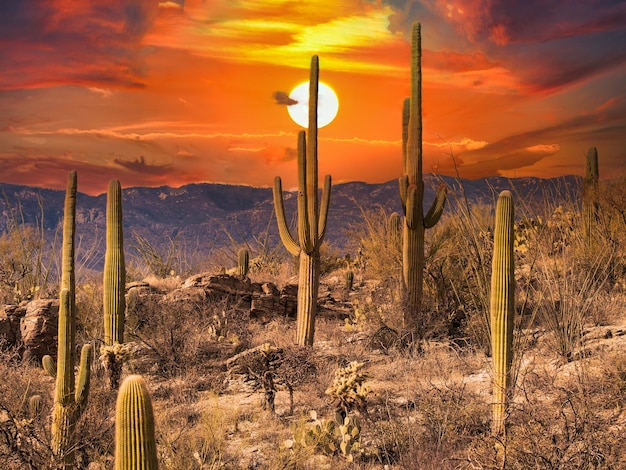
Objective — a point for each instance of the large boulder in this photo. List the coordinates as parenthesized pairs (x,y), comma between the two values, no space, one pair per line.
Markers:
(38,328)
(10,317)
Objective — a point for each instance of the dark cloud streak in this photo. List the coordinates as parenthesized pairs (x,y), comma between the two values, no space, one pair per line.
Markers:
(283,98)
(140,166)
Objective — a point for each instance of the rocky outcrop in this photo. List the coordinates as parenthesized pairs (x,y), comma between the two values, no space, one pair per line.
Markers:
(262,300)
(10,317)
(38,328)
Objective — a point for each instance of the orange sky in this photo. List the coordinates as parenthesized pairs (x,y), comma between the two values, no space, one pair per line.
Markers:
(177,92)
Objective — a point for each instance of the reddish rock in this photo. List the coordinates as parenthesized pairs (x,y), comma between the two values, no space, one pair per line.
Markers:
(10,317)
(38,328)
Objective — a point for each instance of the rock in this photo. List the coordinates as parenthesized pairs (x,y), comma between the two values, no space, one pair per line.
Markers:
(10,317)
(38,328)
(288,301)
(262,301)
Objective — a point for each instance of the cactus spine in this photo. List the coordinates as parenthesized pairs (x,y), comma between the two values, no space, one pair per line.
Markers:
(135,443)
(243,262)
(69,398)
(412,190)
(502,306)
(114,282)
(590,188)
(311,218)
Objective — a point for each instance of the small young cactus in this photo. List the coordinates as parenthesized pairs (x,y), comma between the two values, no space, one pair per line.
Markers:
(590,189)
(349,278)
(135,441)
(49,365)
(35,404)
(243,262)
(395,230)
(502,308)
(348,389)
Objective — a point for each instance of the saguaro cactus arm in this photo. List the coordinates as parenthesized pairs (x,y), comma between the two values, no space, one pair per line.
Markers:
(324,209)
(84,376)
(65,366)
(283,228)
(435,211)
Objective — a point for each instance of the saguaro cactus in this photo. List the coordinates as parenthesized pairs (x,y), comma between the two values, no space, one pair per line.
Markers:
(590,188)
(412,190)
(502,308)
(69,398)
(135,442)
(395,230)
(243,262)
(114,283)
(311,218)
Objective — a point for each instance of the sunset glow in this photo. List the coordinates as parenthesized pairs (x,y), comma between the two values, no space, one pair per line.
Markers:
(188,91)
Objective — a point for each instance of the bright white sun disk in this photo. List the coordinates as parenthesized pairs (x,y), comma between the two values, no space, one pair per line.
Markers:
(327,105)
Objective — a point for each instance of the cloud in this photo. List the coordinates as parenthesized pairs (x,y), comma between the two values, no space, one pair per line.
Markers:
(283,98)
(547,46)
(140,166)
(52,42)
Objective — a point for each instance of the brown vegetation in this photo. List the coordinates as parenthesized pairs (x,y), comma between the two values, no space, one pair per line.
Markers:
(210,368)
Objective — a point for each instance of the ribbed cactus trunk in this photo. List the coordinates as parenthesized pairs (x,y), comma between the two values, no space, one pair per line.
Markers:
(412,192)
(114,281)
(308,288)
(135,441)
(243,262)
(395,230)
(502,308)
(590,189)
(311,218)
(69,400)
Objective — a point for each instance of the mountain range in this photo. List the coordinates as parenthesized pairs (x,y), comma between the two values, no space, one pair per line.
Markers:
(205,217)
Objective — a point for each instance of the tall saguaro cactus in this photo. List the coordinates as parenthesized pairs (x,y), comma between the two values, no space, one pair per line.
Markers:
(114,282)
(311,218)
(69,398)
(590,188)
(502,306)
(412,190)
(135,442)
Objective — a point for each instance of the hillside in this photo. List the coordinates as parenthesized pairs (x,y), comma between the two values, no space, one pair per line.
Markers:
(203,217)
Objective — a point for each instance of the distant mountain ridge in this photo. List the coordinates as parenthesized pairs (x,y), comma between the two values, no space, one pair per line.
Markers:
(206,216)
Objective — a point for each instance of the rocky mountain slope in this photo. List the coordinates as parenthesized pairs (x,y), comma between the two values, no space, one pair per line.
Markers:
(204,217)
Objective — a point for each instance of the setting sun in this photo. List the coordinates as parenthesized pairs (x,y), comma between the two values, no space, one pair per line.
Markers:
(327,105)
